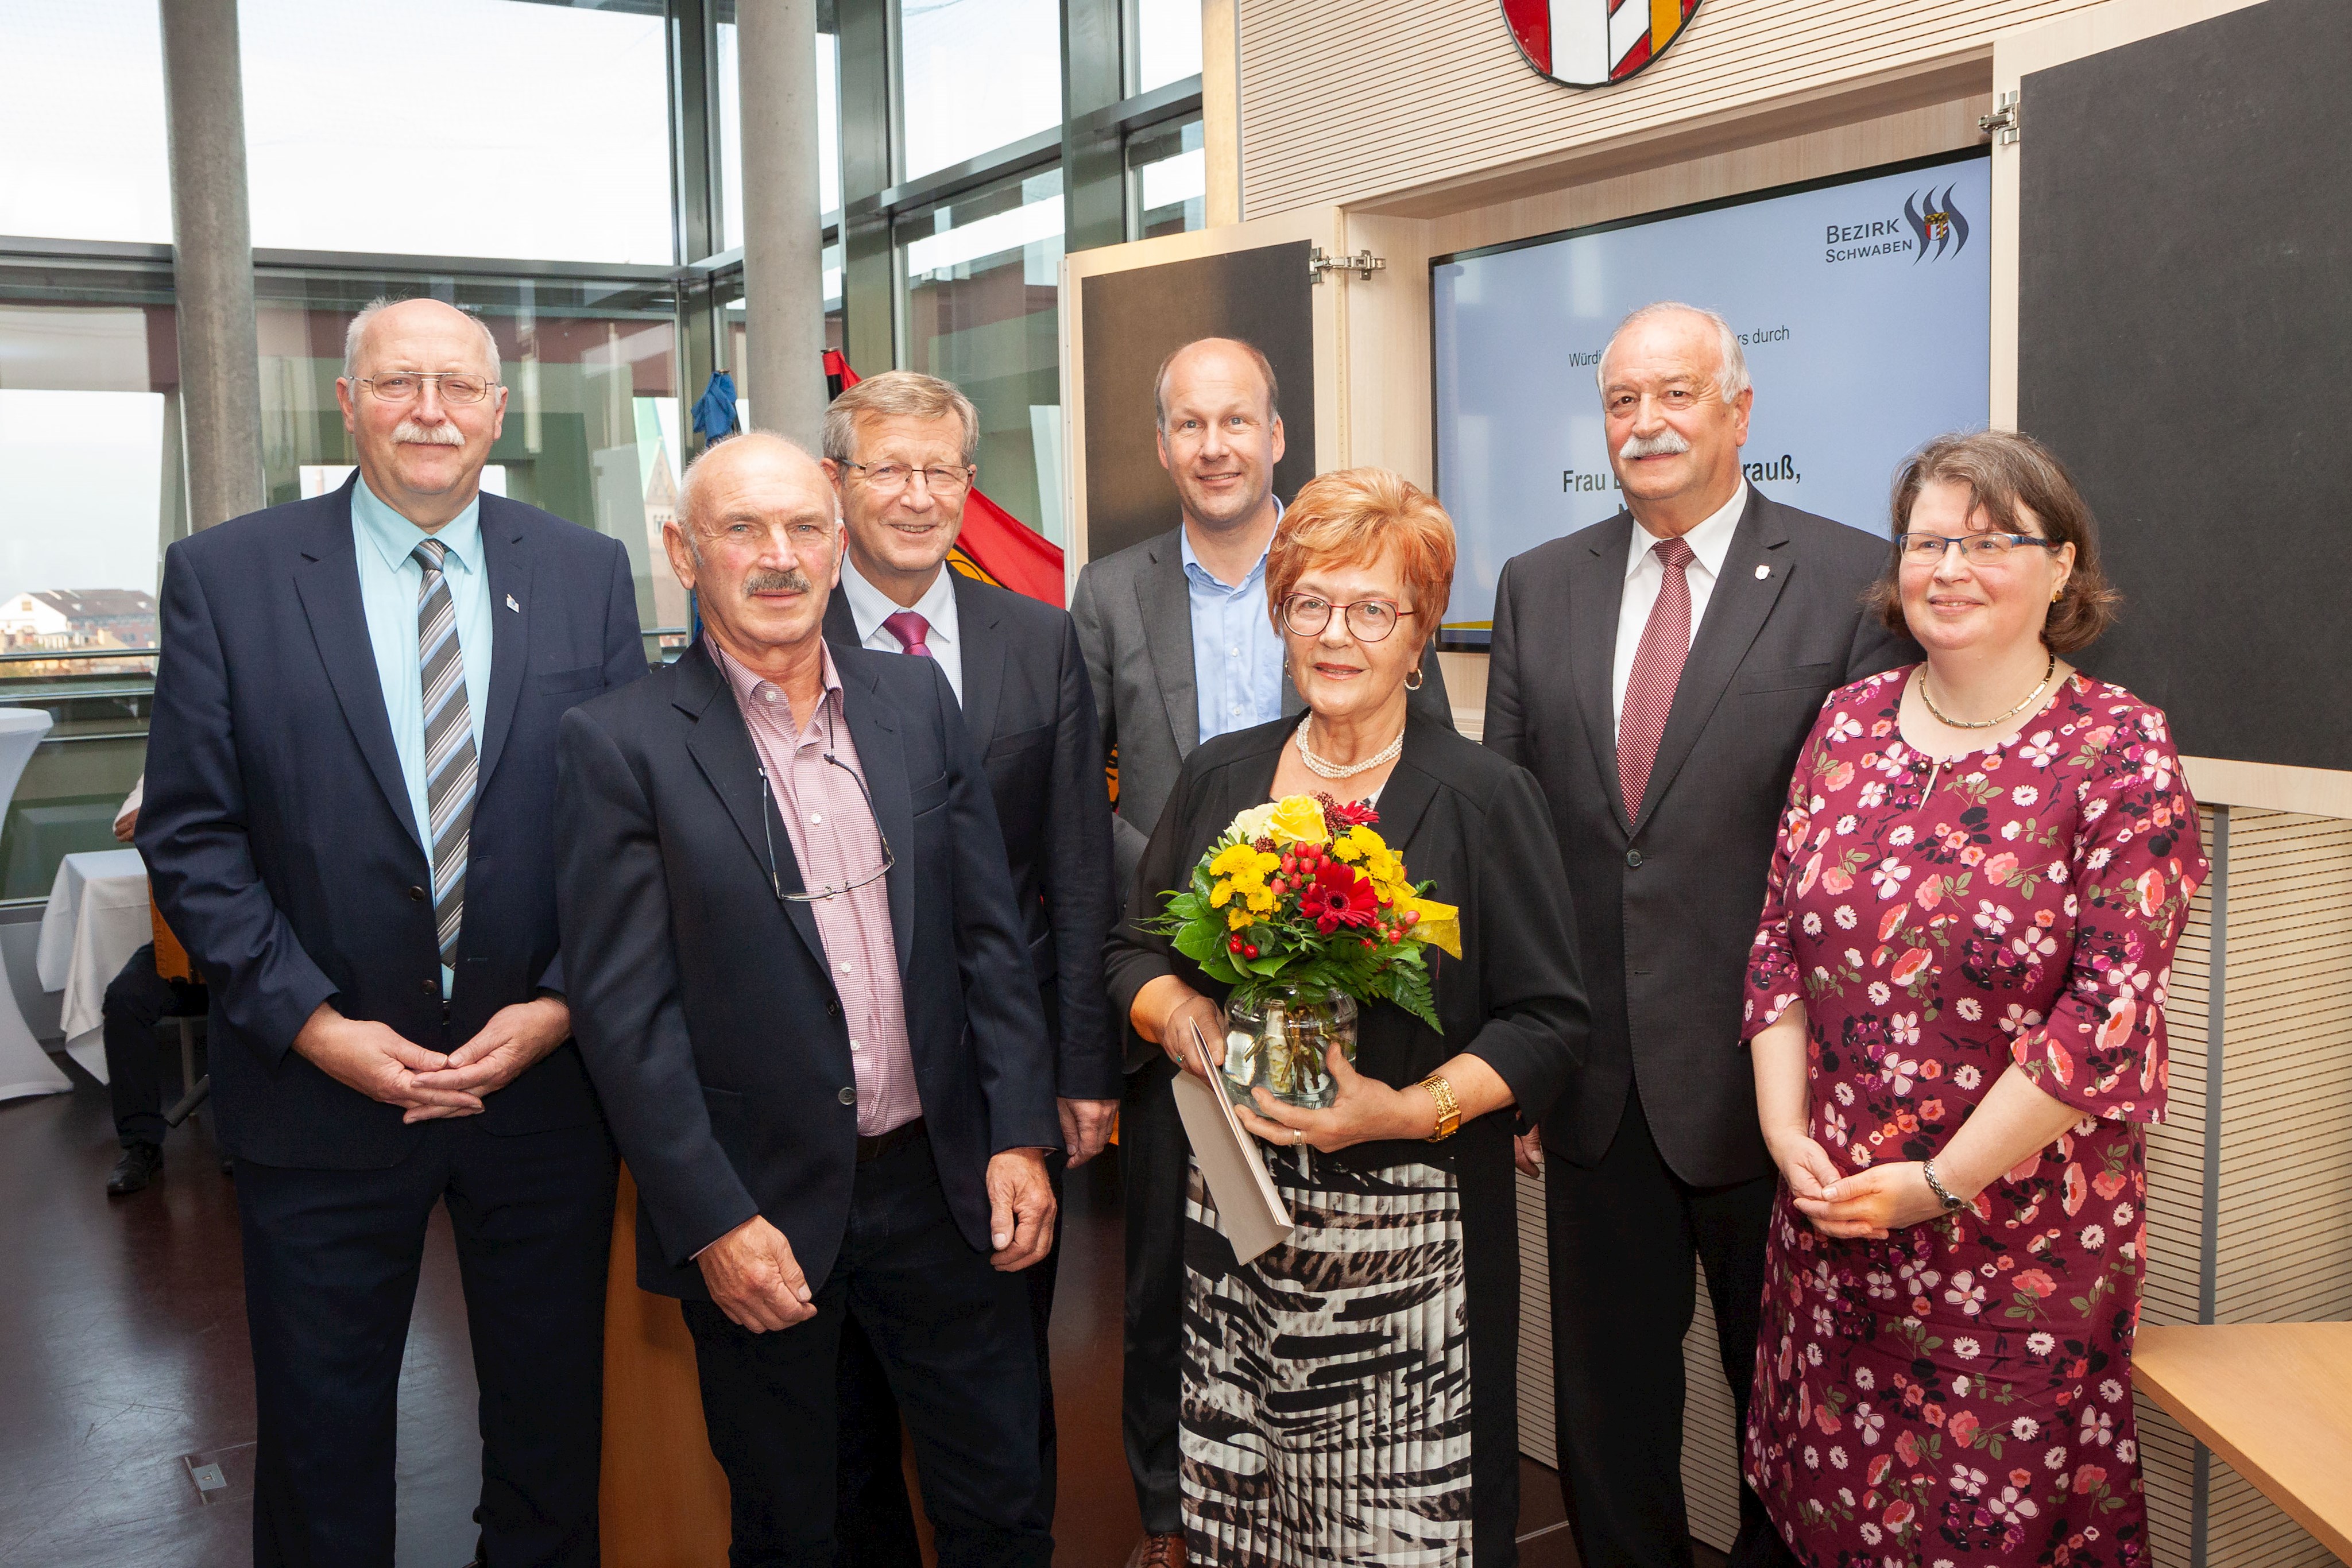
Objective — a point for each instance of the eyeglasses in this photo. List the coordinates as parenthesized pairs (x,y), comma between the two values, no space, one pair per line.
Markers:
(889,478)
(1980,549)
(455,387)
(767,816)
(1368,619)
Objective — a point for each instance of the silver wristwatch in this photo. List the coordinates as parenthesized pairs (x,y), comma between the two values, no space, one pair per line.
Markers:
(1943,1194)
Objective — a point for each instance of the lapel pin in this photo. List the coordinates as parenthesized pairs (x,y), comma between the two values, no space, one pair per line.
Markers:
(518,609)
(1761,573)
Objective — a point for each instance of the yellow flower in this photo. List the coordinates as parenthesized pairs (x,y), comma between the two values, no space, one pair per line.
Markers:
(1261,900)
(1297,820)
(1221,895)
(1440,925)
(1236,860)
(1239,919)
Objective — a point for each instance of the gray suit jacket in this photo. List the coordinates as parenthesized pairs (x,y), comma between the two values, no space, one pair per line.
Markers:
(1134,612)
(1666,904)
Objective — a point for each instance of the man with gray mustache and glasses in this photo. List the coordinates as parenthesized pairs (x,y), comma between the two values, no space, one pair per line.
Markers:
(350,786)
(1658,673)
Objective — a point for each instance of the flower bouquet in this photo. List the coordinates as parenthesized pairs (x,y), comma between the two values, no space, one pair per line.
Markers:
(1304,910)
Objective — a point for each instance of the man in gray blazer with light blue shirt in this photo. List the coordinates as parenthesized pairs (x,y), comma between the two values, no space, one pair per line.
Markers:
(1180,646)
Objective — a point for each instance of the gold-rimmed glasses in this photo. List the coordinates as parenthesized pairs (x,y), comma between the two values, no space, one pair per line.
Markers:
(406,386)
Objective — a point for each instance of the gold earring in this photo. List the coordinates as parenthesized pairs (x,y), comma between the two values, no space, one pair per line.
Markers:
(2057,593)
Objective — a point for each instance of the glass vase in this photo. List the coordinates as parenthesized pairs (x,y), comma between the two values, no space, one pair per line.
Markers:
(1275,1039)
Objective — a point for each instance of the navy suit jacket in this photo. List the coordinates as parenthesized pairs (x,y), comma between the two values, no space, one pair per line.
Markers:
(277,828)
(704,1001)
(1031,712)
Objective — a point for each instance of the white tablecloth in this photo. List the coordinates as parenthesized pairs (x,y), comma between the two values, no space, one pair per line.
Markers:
(97,917)
(25,1068)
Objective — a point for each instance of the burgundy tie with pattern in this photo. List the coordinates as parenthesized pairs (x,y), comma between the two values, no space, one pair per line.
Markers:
(910,628)
(1657,670)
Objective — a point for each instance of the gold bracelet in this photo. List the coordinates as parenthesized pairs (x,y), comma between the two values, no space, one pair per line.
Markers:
(1449,1109)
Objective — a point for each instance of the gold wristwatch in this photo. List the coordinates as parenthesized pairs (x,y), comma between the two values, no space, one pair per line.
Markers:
(1449,1109)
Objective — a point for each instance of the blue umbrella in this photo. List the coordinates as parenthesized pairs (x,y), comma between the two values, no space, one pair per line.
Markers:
(714,411)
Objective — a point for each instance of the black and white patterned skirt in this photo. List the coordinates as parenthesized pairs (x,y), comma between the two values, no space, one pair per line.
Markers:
(1326,1384)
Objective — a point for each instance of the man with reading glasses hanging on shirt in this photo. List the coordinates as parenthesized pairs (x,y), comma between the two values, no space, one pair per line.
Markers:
(350,781)
(809,1006)
(901,448)
(1658,673)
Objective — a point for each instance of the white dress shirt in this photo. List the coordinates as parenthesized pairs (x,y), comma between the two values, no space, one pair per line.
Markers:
(1644,574)
(869,606)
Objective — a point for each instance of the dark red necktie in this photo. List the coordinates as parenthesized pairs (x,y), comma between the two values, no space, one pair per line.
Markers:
(910,628)
(1657,670)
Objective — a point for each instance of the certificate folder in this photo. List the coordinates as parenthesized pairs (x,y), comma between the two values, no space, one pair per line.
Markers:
(1254,1214)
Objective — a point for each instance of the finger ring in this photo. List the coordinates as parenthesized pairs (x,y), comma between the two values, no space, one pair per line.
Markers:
(1297,1137)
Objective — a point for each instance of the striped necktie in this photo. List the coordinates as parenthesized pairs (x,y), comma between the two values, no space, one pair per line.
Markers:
(1657,671)
(448,746)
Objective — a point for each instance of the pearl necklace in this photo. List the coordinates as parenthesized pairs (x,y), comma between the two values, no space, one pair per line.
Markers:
(1316,764)
(1945,718)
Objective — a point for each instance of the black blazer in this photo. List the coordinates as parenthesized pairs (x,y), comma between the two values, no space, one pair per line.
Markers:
(1478,827)
(704,1003)
(1031,712)
(276,825)
(1667,903)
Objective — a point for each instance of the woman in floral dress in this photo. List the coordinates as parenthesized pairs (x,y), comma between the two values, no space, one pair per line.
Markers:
(1955,1007)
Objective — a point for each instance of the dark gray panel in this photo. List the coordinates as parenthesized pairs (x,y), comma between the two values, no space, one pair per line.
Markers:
(1136,318)
(2184,344)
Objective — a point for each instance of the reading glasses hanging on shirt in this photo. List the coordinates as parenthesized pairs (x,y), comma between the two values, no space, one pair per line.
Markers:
(775,877)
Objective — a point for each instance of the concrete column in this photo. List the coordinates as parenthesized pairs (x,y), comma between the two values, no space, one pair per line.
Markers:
(783,293)
(1221,110)
(212,260)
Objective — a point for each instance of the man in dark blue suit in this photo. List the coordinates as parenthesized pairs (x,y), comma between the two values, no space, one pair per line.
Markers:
(900,447)
(811,1013)
(350,780)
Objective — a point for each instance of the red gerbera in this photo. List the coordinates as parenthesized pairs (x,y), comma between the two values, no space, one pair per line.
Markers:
(1353,814)
(1338,895)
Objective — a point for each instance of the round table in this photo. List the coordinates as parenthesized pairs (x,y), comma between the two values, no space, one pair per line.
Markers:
(25,1067)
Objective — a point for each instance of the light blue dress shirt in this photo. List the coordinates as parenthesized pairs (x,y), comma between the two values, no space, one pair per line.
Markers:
(1236,653)
(390,580)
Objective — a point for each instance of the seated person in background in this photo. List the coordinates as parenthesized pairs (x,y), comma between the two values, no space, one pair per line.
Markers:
(137,1000)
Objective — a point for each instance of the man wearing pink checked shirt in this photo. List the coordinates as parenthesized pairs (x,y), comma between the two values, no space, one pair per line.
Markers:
(804,996)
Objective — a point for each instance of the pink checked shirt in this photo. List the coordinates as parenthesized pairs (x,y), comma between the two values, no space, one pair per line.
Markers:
(835,841)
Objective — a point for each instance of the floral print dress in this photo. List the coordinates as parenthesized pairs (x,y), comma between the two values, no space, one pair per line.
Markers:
(1959,1393)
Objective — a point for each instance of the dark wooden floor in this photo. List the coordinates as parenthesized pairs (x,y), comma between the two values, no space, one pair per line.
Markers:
(125,1366)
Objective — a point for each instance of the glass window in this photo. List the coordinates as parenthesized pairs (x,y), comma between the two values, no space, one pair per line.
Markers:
(1167,42)
(82,120)
(592,421)
(730,130)
(736,334)
(982,275)
(1166,180)
(975,75)
(91,490)
(466,128)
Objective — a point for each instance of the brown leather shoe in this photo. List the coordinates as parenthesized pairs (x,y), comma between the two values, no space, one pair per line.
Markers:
(1158,1551)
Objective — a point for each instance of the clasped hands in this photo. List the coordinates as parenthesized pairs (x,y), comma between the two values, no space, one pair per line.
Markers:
(382,1064)
(754,1279)
(1363,1109)
(1868,1204)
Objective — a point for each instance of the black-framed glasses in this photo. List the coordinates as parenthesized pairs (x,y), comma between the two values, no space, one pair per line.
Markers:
(889,478)
(1980,549)
(1368,619)
(455,386)
(768,812)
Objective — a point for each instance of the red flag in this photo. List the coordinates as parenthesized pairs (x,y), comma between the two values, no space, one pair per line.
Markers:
(994,546)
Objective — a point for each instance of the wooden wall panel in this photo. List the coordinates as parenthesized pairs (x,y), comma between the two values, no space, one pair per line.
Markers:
(1349,100)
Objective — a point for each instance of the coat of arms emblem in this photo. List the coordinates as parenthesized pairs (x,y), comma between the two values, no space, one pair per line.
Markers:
(1592,43)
